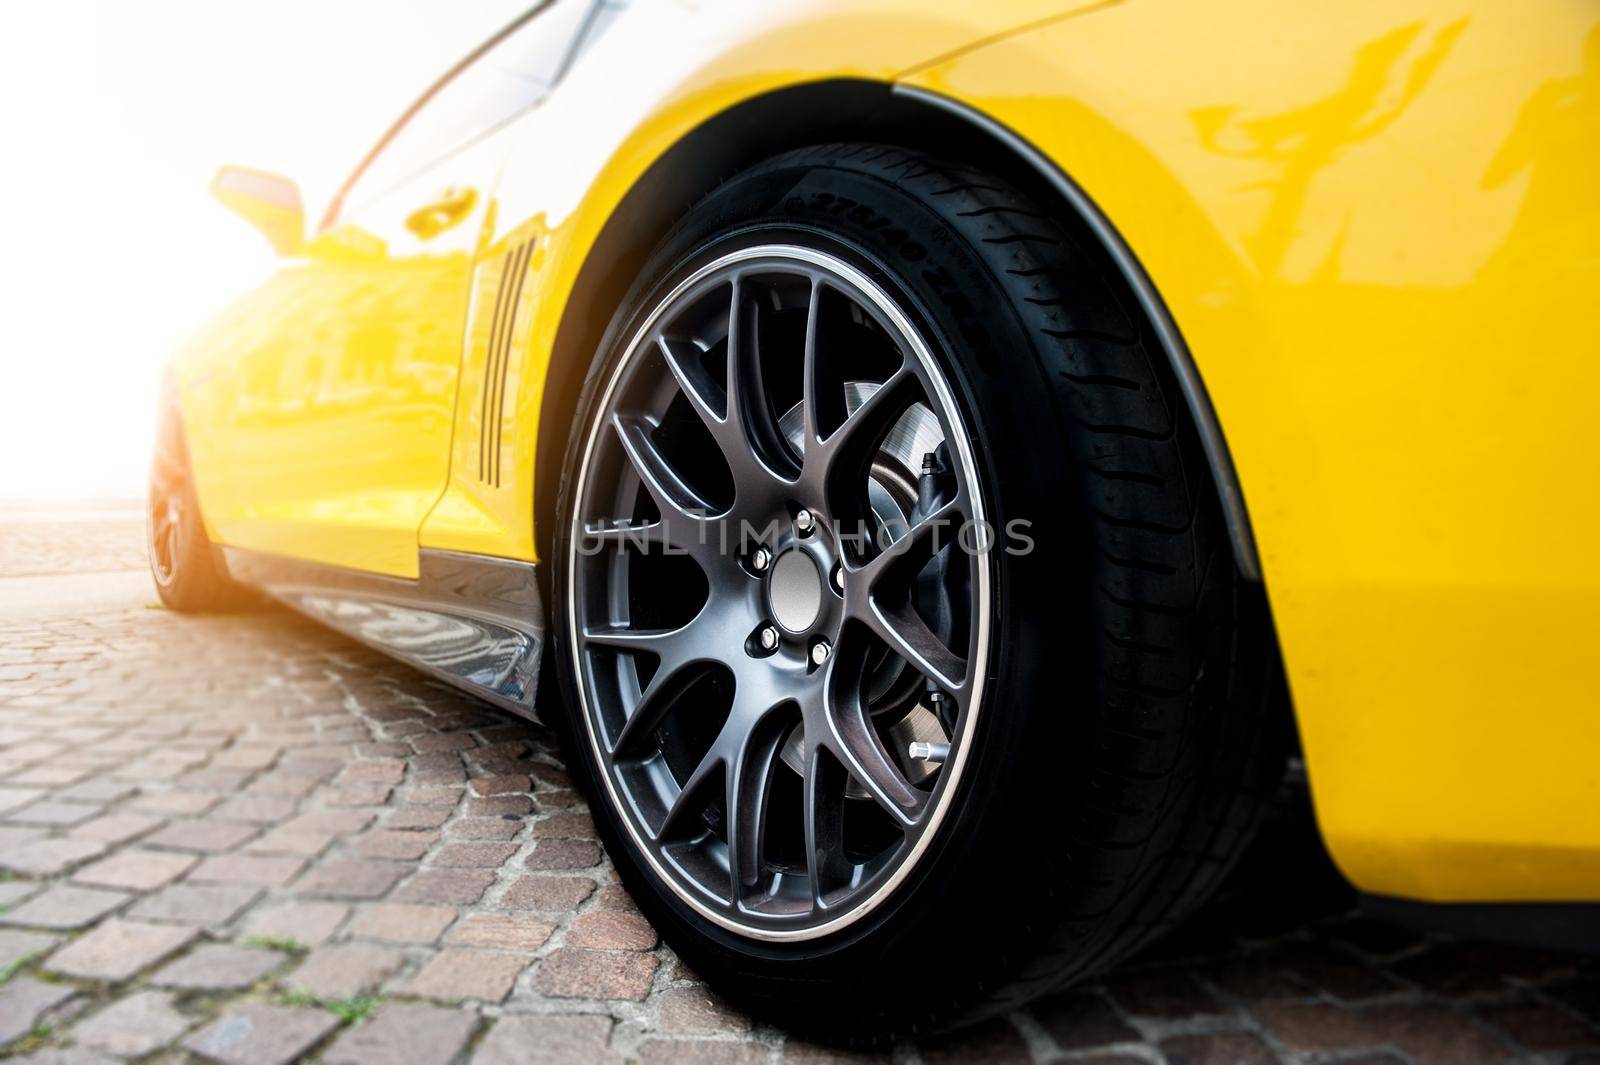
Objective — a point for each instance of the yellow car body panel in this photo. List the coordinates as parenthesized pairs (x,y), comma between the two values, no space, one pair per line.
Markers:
(1385,257)
(1377,226)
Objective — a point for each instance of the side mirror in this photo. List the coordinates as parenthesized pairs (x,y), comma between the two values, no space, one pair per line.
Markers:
(267,201)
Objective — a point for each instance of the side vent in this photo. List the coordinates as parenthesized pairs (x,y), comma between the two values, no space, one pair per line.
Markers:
(491,420)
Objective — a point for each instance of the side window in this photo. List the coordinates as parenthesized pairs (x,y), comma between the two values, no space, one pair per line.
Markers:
(503,80)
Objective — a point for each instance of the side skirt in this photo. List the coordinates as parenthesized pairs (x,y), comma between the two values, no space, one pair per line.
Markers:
(475,621)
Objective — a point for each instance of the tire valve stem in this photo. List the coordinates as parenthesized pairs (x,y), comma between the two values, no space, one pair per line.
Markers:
(937,753)
(928,484)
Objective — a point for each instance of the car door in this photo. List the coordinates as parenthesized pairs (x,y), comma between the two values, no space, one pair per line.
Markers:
(344,413)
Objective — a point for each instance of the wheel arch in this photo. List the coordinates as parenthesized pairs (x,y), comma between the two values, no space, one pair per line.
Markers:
(811,113)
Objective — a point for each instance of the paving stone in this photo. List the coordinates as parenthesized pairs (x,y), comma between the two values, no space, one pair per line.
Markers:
(14,891)
(246,757)
(351,879)
(203,904)
(23,1001)
(1324,970)
(996,1041)
(209,837)
(418,817)
(564,854)
(176,803)
(399,922)
(1433,1035)
(135,869)
(615,897)
(247,869)
(564,826)
(696,1011)
(357,793)
(699,1052)
(473,855)
(517,1039)
(442,742)
(461,974)
(256,809)
(462,887)
(341,970)
(483,828)
(307,843)
(116,828)
(15,946)
(47,857)
(572,972)
(306,923)
(1076,1021)
(1226,1048)
(500,931)
(18,798)
(341,822)
(435,795)
(501,785)
(116,950)
(611,930)
(98,790)
(52,814)
(65,906)
(500,806)
(1166,993)
(132,1027)
(1316,1026)
(408,1032)
(382,771)
(218,967)
(383,843)
(256,1034)
(1542,1028)
(547,893)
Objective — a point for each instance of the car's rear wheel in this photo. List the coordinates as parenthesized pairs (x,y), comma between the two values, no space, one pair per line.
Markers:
(187,573)
(908,670)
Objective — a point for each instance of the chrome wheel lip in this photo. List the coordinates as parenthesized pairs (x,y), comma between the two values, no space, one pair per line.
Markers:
(981,592)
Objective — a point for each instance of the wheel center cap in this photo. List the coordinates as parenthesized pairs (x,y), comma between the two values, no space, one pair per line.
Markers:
(794,589)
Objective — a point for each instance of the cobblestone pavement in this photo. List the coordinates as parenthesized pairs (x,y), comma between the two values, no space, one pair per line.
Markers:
(245,839)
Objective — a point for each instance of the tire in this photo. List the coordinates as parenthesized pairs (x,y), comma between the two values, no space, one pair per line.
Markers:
(188,574)
(1130,725)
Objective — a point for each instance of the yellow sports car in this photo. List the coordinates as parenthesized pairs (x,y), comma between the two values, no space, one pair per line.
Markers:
(943,458)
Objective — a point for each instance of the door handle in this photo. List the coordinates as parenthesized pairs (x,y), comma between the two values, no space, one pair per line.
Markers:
(431,219)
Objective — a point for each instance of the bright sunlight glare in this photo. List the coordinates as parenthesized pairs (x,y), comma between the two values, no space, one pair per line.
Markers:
(113,118)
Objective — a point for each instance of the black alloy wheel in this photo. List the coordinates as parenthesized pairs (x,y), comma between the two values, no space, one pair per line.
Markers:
(905,663)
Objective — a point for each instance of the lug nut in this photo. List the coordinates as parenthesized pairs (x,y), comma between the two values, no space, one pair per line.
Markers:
(819,652)
(761,559)
(768,637)
(838,576)
(803,521)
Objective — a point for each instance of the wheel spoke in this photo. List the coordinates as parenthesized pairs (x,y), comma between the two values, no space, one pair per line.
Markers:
(687,521)
(855,742)
(749,779)
(836,467)
(824,783)
(751,442)
(683,359)
(676,651)
(881,590)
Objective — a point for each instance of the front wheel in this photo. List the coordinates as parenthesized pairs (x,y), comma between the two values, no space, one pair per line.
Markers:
(908,671)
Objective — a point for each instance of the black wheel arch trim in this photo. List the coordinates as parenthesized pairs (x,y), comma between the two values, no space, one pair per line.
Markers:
(1173,346)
